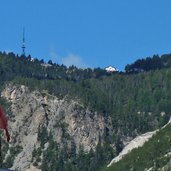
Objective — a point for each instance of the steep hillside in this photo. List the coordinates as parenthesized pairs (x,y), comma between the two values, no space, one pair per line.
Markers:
(155,155)
(40,120)
(74,119)
(135,143)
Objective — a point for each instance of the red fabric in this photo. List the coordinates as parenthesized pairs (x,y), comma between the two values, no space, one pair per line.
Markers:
(4,123)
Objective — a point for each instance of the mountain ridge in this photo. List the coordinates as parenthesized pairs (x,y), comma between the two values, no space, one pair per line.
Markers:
(78,119)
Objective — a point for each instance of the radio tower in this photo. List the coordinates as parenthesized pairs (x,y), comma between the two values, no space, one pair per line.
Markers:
(23,43)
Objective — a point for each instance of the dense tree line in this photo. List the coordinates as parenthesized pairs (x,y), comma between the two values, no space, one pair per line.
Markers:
(12,65)
(148,64)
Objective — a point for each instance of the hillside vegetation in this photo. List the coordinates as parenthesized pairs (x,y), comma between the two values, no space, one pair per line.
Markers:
(155,154)
(136,101)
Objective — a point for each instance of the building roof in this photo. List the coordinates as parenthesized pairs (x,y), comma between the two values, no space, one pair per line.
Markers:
(111,69)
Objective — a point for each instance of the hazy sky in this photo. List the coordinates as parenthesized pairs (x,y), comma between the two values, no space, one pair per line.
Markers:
(87,33)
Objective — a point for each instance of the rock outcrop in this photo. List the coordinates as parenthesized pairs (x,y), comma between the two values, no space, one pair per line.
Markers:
(135,143)
(31,110)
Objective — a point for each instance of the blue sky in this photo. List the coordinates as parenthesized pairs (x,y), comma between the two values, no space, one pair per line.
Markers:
(87,33)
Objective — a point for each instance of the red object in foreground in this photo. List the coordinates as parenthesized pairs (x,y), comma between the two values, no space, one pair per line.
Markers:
(4,123)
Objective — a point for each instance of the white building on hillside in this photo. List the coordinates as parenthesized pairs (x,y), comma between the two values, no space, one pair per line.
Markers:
(111,69)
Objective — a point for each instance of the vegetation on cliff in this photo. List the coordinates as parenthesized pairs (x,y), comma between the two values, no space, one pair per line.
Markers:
(155,154)
(137,100)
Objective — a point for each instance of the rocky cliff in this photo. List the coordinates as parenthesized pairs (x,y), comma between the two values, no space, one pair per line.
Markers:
(30,111)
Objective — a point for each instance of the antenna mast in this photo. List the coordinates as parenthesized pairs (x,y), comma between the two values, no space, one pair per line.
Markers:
(23,43)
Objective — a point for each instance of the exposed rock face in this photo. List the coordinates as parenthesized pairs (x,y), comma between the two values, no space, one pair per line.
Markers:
(32,110)
(135,143)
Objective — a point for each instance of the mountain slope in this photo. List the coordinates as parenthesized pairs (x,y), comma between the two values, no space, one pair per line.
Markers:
(135,143)
(75,119)
(154,155)
(37,117)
